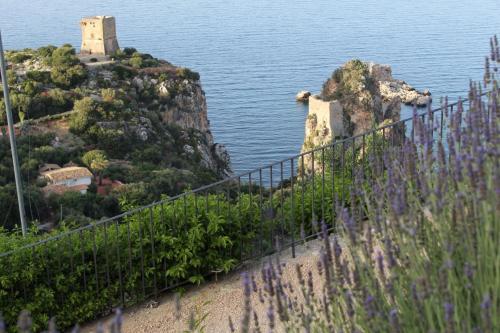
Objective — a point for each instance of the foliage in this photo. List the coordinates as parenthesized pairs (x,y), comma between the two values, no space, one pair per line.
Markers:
(186,73)
(110,114)
(18,57)
(152,248)
(348,82)
(46,51)
(38,76)
(85,112)
(97,161)
(175,244)
(129,51)
(64,56)
(67,77)
(136,60)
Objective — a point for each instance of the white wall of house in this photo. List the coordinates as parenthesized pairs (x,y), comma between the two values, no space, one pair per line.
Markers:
(75,181)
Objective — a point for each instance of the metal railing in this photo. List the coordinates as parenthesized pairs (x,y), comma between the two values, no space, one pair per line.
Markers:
(127,257)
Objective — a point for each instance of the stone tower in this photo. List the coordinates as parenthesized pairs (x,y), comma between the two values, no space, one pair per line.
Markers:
(99,35)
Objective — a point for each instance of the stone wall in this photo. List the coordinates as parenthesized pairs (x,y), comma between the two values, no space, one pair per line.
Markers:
(324,121)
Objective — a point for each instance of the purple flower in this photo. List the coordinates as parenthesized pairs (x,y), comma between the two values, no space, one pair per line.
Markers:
(2,324)
(245,323)
(99,328)
(349,304)
(486,312)
(448,316)
(254,284)
(486,304)
(349,224)
(24,322)
(246,284)
(270,316)
(319,264)
(394,321)
(116,323)
(380,264)
(369,306)
(326,242)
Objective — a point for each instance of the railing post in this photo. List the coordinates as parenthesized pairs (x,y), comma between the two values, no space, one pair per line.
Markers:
(119,260)
(153,253)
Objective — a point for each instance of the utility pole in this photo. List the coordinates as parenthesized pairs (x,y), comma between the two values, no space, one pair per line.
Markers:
(12,137)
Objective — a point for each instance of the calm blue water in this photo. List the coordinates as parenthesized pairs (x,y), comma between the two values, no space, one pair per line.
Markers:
(254,56)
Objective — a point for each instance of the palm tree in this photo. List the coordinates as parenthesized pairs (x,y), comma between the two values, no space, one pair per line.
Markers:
(96,161)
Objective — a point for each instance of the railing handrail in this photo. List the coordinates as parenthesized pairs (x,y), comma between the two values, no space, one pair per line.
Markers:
(227,180)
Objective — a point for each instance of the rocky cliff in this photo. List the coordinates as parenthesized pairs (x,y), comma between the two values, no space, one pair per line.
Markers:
(151,91)
(146,115)
(356,98)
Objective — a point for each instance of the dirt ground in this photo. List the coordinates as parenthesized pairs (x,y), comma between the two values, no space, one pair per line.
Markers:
(217,300)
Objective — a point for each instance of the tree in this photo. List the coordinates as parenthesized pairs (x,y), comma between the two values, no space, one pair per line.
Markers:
(46,51)
(64,56)
(108,95)
(67,77)
(21,103)
(97,161)
(66,68)
(85,115)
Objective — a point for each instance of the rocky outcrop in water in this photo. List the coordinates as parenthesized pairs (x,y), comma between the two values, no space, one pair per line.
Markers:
(303,96)
(356,98)
(391,88)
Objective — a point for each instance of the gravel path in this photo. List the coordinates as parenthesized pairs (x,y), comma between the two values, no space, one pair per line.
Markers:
(218,300)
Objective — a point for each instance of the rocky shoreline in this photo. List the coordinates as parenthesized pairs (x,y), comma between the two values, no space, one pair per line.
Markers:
(390,88)
(357,97)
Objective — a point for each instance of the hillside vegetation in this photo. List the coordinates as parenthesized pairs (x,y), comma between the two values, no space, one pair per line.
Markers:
(146,116)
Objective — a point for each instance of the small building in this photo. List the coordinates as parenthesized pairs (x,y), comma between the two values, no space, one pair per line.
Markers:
(48,167)
(106,185)
(70,164)
(99,35)
(62,180)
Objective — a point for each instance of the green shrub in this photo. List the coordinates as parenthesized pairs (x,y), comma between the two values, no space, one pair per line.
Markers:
(19,57)
(67,77)
(68,282)
(129,51)
(136,61)
(46,51)
(122,72)
(30,88)
(64,56)
(85,115)
(39,76)
(51,102)
(11,78)
(186,73)
(119,55)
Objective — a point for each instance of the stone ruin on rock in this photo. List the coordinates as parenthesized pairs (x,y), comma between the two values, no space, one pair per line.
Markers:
(98,35)
(358,97)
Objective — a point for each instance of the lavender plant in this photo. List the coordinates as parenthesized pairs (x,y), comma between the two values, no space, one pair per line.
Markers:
(417,249)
